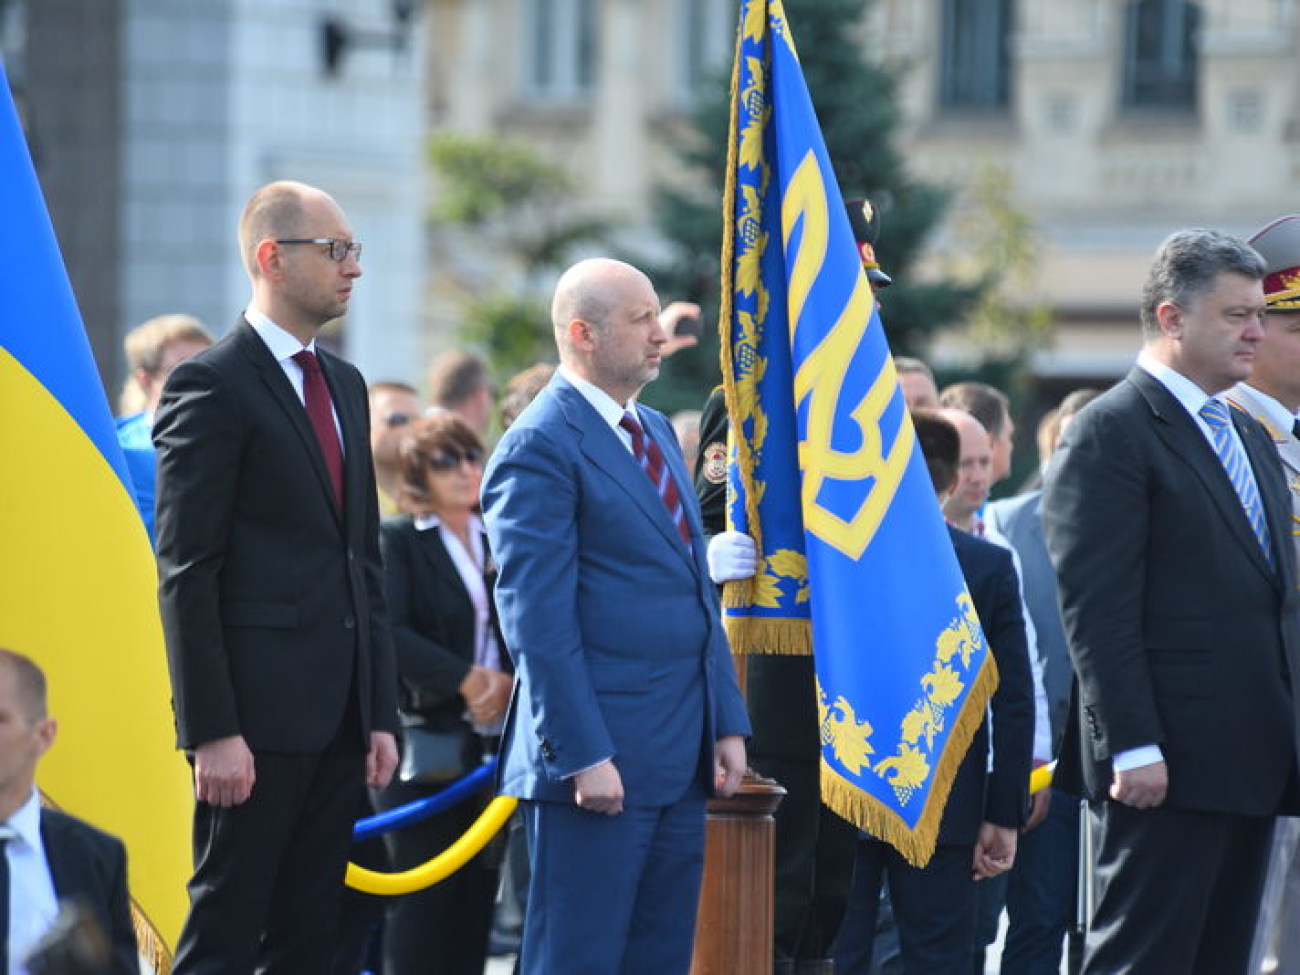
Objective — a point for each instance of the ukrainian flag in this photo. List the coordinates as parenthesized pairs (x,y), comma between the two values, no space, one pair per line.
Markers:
(856,564)
(78,586)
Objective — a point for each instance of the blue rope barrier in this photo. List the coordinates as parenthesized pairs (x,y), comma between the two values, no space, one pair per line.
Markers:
(422,809)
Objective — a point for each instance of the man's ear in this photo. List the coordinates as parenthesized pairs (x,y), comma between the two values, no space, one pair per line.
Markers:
(46,731)
(267,256)
(1170,319)
(581,334)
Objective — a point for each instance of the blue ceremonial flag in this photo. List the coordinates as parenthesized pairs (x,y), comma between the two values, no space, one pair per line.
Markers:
(855,561)
(78,584)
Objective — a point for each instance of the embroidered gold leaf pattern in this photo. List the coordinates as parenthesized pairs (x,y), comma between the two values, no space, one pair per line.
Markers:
(906,771)
(848,737)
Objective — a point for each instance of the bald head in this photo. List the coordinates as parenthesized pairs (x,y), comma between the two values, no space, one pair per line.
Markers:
(974,469)
(606,319)
(277,210)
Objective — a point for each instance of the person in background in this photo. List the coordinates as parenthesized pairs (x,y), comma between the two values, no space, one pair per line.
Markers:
(917,380)
(393,406)
(686,424)
(46,856)
(459,381)
(993,410)
(152,351)
(455,680)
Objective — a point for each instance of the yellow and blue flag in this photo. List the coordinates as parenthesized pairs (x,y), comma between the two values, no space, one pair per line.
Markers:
(78,585)
(856,565)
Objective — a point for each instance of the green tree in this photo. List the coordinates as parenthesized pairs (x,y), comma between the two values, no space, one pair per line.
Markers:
(855,99)
(519,204)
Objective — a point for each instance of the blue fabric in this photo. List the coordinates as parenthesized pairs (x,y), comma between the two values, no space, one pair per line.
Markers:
(1041,893)
(827,475)
(141,463)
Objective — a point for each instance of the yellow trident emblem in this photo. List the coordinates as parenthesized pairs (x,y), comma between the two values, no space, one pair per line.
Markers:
(820,380)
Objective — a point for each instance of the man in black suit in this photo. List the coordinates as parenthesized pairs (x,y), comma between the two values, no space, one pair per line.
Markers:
(272,602)
(49,857)
(935,906)
(1169,523)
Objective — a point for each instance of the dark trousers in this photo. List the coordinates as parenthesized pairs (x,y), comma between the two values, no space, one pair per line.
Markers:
(1041,891)
(443,928)
(813,862)
(612,895)
(1177,891)
(268,873)
(934,909)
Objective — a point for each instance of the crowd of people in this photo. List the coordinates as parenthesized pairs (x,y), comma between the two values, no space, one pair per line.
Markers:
(362,602)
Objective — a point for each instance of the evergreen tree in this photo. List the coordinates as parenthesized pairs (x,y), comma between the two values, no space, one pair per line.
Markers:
(856,103)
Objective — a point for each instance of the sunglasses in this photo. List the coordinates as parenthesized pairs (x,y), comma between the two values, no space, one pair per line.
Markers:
(398,419)
(450,460)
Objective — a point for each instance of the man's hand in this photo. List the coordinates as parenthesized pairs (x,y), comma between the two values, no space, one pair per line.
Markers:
(731,555)
(223,771)
(1039,803)
(1143,787)
(670,318)
(728,764)
(995,851)
(381,760)
(599,789)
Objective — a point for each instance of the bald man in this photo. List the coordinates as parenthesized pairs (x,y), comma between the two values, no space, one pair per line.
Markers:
(627,715)
(282,667)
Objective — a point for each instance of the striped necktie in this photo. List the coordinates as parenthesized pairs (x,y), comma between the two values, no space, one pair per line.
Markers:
(651,459)
(1233,457)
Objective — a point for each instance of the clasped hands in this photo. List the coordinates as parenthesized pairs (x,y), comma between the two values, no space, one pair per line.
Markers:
(486,693)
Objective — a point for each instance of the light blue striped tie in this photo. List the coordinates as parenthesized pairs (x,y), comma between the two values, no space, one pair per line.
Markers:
(1233,457)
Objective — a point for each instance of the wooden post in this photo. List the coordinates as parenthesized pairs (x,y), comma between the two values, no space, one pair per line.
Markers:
(733,930)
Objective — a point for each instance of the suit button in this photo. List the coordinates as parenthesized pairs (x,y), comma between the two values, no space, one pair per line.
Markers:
(352,556)
(349,622)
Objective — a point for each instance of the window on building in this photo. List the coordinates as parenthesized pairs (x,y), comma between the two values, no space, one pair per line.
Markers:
(702,38)
(1160,54)
(976,65)
(561,49)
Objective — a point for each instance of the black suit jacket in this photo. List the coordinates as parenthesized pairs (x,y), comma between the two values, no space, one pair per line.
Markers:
(433,621)
(89,867)
(1000,794)
(1181,632)
(272,600)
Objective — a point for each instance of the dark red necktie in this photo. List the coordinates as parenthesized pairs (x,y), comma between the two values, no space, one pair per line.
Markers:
(651,459)
(321,413)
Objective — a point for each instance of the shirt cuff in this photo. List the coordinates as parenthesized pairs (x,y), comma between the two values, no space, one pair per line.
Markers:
(1132,758)
(574,775)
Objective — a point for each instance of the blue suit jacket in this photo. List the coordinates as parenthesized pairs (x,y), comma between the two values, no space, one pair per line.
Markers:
(613,625)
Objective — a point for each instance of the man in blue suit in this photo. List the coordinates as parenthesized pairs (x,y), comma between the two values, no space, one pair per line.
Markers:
(627,713)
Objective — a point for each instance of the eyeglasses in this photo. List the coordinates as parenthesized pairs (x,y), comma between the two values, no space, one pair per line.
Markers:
(398,419)
(449,460)
(338,249)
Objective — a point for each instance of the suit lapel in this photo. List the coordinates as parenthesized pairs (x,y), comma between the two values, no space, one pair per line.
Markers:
(282,391)
(1175,426)
(602,447)
(434,551)
(67,872)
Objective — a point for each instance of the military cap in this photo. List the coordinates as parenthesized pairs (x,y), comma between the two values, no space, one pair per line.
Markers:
(865,222)
(1279,245)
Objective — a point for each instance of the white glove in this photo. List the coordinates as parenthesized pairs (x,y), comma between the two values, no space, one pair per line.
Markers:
(732,555)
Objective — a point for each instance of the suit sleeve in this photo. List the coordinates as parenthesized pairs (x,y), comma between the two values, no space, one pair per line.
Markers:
(531,500)
(198,435)
(1095,519)
(432,672)
(383,657)
(125,952)
(1012,706)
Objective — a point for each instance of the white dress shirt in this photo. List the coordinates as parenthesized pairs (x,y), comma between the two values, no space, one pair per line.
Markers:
(33,904)
(284,347)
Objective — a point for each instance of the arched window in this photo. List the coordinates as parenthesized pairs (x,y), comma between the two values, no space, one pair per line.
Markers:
(1161,60)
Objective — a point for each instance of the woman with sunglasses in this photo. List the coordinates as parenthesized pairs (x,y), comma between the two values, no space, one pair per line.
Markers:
(455,682)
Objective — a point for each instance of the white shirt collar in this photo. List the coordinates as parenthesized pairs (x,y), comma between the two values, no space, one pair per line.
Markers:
(282,344)
(424,522)
(1279,417)
(604,404)
(1183,389)
(26,822)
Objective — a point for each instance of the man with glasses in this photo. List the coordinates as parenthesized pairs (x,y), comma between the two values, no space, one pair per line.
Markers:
(277,633)
(393,406)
